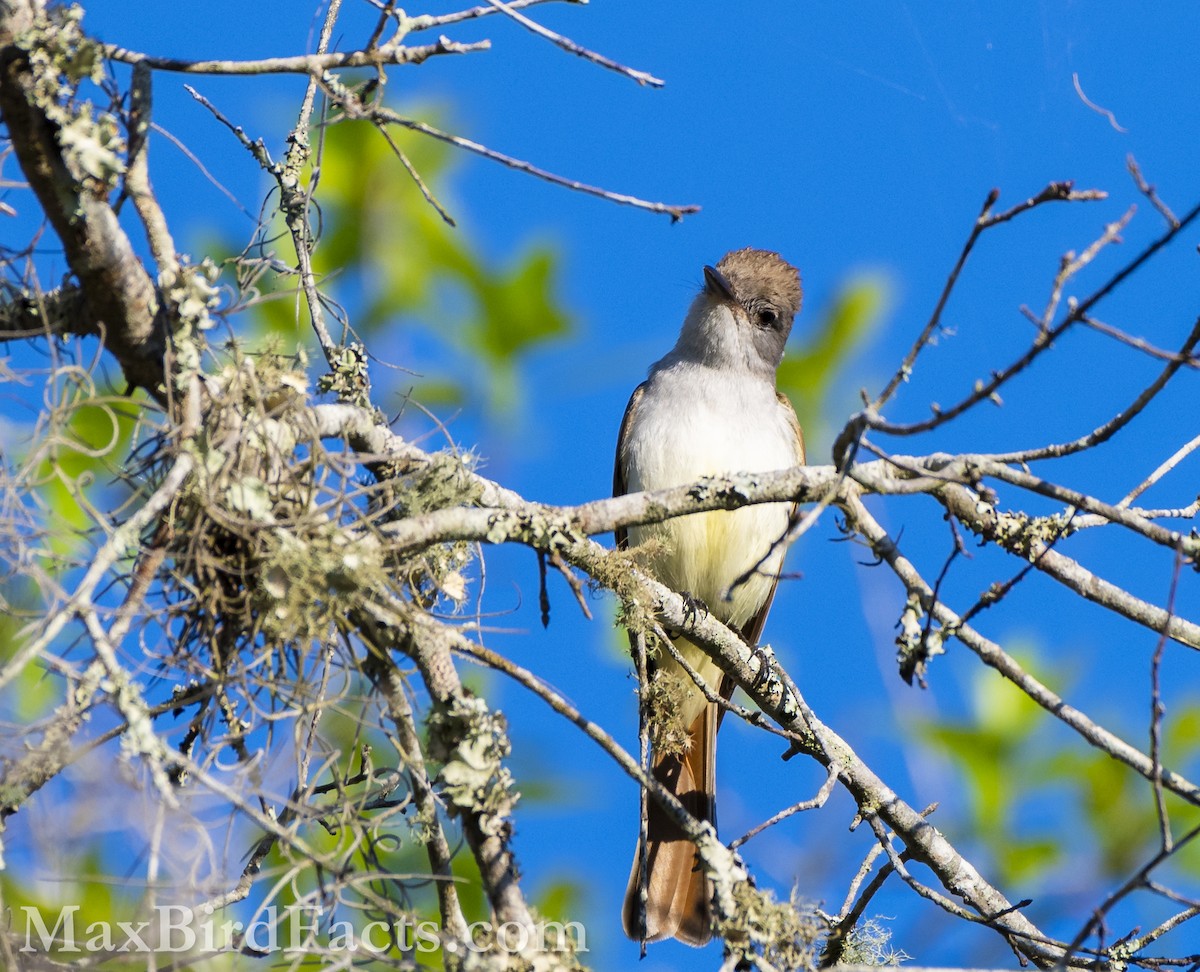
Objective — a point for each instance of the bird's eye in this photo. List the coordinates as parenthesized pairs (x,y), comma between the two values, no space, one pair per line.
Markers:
(767,317)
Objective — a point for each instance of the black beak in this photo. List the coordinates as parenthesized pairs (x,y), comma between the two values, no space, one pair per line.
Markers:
(717,284)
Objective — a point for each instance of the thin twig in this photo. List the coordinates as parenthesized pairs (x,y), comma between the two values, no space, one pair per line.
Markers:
(137,177)
(943,902)
(1055,192)
(415,176)
(195,160)
(1147,190)
(852,910)
(993,655)
(311,64)
(1157,711)
(1106,431)
(255,148)
(432,21)
(985,389)
(437,847)
(638,641)
(1070,264)
(120,541)
(572,581)
(1139,879)
(295,198)
(812,803)
(354,108)
(568,45)
(1138,344)
(1161,470)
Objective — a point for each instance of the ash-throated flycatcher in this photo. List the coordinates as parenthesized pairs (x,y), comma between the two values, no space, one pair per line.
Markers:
(709,408)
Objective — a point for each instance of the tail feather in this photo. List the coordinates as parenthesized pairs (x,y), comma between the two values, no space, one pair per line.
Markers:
(678,894)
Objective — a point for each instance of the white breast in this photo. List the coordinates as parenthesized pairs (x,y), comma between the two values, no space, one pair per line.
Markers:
(691,423)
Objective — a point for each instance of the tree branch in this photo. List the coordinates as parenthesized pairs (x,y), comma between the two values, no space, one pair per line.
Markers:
(119,297)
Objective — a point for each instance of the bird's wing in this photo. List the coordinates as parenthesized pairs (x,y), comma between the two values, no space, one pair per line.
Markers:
(752,630)
(620,486)
(786,404)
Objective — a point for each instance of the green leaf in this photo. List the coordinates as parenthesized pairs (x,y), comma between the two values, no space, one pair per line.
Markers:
(561,900)
(517,310)
(389,262)
(1004,762)
(805,375)
(93,439)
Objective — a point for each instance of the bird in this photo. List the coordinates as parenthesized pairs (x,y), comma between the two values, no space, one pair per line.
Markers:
(709,407)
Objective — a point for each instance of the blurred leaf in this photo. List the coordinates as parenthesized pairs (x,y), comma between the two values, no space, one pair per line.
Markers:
(515,312)
(517,308)
(562,900)
(1119,805)
(438,393)
(93,439)
(1010,771)
(33,693)
(89,889)
(999,752)
(390,262)
(1025,860)
(1116,807)
(805,375)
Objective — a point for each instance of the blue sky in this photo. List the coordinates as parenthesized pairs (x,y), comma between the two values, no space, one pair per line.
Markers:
(853,143)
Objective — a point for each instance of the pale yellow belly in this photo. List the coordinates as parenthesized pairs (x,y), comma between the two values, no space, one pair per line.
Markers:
(705,553)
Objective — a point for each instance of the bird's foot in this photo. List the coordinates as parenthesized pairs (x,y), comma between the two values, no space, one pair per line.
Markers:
(693,608)
(766,658)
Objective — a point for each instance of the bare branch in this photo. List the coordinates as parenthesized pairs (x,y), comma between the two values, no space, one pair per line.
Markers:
(1161,470)
(294,199)
(1141,345)
(430,21)
(1055,192)
(568,45)
(993,655)
(119,295)
(985,389)
(1147,190)
(1019,536)
(436,846)
(121,541)
(354,108)
(385,55)
(812,803)
(486,826)
(137,175)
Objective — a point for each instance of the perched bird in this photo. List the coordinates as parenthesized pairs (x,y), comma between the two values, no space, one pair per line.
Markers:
(709,408)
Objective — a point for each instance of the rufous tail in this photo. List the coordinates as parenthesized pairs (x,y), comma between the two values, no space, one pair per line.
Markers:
(678,895)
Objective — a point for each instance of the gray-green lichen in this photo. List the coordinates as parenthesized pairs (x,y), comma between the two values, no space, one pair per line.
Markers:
(785,934)
(870,943)
(542,530)
(94,145)
(278,543)
(471,742)
(191,291)
(662,701)
(445,480)
(917,642)
(61,57)
(349,377)
(1019,533)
